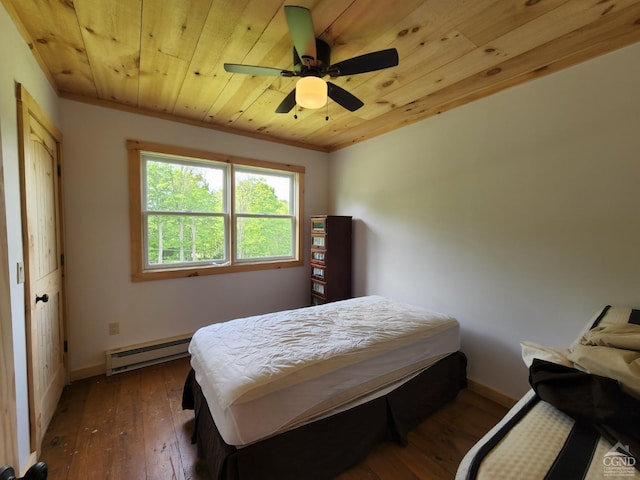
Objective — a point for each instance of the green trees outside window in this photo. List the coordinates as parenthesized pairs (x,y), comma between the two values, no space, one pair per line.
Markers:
(185,213)
(194,212)
(264,223)
(188,216)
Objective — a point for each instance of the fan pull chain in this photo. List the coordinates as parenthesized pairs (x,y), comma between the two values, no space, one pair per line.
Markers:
(295,112)
(327,116)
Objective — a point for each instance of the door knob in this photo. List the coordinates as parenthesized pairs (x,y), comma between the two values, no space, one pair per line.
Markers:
(44,298)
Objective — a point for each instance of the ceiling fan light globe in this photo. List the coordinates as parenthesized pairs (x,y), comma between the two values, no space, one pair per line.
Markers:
(311,92)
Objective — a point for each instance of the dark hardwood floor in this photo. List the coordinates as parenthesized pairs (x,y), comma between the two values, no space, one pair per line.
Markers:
(132,427)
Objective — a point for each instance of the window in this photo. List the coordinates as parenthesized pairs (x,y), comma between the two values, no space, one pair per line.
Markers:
(199,213)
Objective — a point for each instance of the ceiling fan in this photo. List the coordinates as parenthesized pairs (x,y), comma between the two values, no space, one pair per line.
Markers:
(311,62)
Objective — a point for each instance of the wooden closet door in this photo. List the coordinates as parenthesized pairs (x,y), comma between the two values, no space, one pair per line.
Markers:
(44,294)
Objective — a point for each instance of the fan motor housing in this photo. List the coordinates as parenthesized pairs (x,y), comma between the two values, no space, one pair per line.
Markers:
(317,67)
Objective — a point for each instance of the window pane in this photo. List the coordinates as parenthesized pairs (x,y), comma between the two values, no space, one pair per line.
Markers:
(264,237)
(177,187)
(182,201)
(263,193)
(175,239)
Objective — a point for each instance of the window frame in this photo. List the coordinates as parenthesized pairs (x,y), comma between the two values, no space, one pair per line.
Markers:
(253,170)
(139,272)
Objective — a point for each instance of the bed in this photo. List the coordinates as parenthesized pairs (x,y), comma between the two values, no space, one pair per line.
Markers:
(307,393)
(581,418)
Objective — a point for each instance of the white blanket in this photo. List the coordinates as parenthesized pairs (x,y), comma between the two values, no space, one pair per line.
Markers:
(251,357)
(611,349)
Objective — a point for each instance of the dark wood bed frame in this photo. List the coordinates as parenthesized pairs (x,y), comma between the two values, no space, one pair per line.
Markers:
(326,447)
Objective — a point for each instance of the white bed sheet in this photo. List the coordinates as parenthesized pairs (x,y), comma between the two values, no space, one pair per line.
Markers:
(285,377)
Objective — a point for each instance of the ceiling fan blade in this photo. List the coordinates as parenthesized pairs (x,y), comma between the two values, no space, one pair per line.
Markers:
(302,32)
(344,98)
(256,70)
(369,62)
(288,103)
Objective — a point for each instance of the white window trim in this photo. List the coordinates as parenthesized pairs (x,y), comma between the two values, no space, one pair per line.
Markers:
(140,271)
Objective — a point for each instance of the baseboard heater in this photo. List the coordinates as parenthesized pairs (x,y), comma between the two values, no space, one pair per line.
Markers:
(124,359)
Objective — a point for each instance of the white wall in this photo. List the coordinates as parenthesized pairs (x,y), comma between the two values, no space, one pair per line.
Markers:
(18,65)
(518,213)
(100,290)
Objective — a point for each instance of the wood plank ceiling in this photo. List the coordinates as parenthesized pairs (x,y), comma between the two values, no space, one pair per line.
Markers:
(165,57)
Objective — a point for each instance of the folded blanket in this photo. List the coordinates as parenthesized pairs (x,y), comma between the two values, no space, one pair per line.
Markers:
(616,327)
(611,348)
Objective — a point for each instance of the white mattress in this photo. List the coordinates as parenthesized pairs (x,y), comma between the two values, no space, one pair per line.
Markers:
(536,440)
(265,374)
(531,446)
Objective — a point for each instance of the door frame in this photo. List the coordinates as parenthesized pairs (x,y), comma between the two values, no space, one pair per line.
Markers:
(27,107)
(9,440)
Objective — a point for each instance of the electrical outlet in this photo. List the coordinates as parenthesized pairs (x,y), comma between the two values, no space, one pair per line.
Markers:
(20,272)
(114,328)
